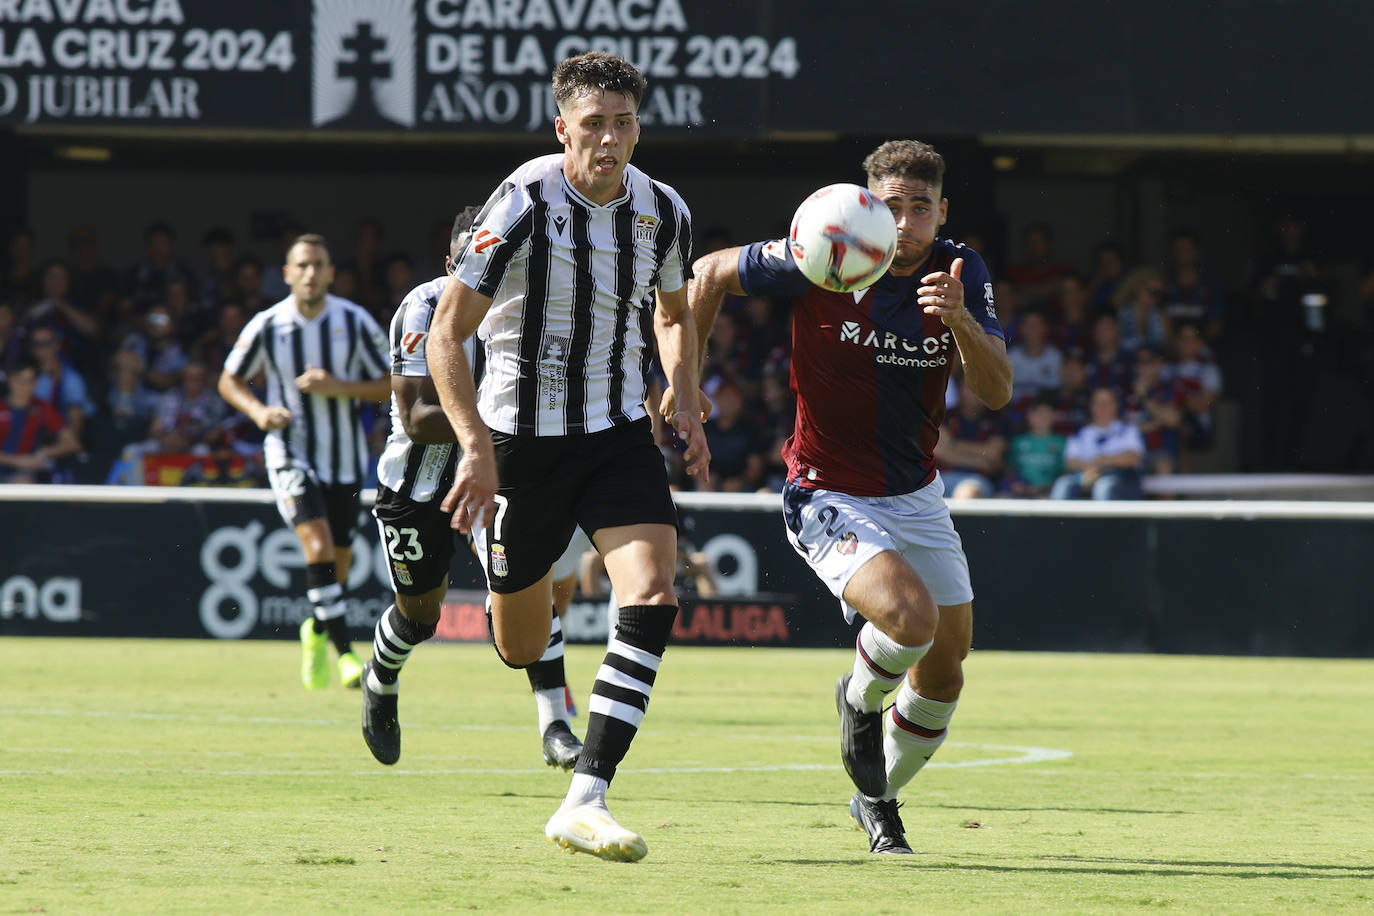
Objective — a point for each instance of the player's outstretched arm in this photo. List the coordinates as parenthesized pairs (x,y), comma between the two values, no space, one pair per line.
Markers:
(456,317)
(986,365)
(676,332)
(713,276)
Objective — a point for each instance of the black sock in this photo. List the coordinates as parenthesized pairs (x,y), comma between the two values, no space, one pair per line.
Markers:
(394,638)
(548,673)
(633,656)
(326,600)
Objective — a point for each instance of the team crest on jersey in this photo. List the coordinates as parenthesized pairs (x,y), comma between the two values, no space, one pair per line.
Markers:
(848,543)
(645,227)
(776,249)
(402,573)
(499,566)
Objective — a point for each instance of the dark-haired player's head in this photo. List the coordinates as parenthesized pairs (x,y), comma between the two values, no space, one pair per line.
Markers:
(458,237)
(598,121)
(596,73)
(909,176)
(910,159)
(308,270)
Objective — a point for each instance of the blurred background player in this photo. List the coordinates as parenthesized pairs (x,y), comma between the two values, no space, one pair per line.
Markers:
(323,357)
(589,257)
(864,504)
(415,471)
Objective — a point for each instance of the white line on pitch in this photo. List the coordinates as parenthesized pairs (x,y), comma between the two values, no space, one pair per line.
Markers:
(1025,755)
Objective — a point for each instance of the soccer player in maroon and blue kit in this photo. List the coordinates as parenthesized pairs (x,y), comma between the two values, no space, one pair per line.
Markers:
(864,504)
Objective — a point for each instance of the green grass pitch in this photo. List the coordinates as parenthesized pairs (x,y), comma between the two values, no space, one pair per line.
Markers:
(199,777)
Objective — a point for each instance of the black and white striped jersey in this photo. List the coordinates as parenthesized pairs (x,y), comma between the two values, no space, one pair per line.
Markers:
(325,432)
(569,334)
(418,472)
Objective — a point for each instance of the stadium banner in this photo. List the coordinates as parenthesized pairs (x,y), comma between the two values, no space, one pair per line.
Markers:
(477,66)
(180,568)
(715,67)
(1244,578)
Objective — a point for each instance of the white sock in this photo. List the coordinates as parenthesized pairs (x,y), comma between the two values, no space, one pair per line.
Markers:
(913,731)
(586,789)
(551,704)
(880,664)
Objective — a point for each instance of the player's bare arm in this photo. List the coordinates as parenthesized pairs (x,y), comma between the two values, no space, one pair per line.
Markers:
(456,317)
(713,276)
(315,380)
(422,416)
(675,329)
(984,355)
(239,396)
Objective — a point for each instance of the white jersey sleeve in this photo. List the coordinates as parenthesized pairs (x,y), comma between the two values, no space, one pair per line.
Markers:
(500,237)
(249,352)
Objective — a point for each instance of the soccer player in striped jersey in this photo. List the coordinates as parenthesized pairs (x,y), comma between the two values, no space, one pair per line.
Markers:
(864,504)
(323,356)
(414,473)
(578,262)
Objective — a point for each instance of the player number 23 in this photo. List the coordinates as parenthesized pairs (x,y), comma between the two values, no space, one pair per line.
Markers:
(410,550)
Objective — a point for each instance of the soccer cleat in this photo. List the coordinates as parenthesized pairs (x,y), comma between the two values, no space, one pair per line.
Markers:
(882,823)
(314,656)
(350,670)
(561,746)
(590,828)
(381,727)
(861,743)
(568,701)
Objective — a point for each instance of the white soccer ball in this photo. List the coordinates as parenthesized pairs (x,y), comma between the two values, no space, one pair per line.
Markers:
(843,237)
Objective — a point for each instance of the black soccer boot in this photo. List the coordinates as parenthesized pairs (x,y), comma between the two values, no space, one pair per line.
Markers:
(882,823)
(561,746)
(381,727)
(861,743)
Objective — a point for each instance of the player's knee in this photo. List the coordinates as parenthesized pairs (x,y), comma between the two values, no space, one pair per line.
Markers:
(915,617)
(519,652)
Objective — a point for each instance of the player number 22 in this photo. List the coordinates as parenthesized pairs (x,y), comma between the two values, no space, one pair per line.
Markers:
(410,550)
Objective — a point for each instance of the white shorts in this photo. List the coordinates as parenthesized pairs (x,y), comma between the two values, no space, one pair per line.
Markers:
(837,533)
(571,560)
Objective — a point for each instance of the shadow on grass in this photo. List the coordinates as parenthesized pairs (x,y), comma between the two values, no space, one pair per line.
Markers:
(1129,867)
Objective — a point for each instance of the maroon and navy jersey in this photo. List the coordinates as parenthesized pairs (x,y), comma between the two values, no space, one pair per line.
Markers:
(24,430)
(869,370)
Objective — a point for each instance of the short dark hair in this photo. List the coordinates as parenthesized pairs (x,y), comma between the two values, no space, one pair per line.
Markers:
(596,71)
(311,238)
(906,159)
(462,225)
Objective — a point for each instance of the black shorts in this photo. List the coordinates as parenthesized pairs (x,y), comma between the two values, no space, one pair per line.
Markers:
(418,541)
(302,498)
(552,484)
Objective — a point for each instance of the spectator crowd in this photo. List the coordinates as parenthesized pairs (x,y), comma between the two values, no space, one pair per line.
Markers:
(109,374)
